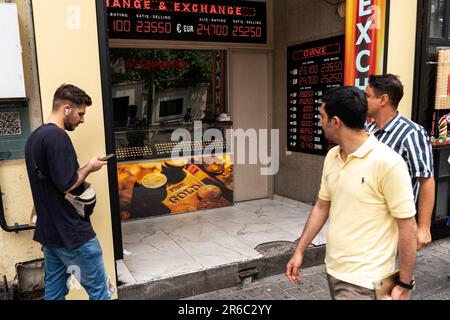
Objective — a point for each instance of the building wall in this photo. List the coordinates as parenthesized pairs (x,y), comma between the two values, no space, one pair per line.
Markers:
(402,46)
(250,92)
(298,21)
(67,51)
(17,200)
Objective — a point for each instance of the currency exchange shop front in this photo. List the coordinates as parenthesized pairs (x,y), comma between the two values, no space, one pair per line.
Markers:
(169,64)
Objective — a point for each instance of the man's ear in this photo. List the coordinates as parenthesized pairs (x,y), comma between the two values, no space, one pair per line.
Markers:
(384,99)
(335,121)
(66,109)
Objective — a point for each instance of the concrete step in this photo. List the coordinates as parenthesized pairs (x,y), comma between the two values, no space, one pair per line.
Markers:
(274,256)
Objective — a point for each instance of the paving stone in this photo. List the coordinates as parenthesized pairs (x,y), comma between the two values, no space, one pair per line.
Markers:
(278,294)
(254,285)
(206,296)
(237,295)
(310,287)
(259,294)
(318,280)
(313,270)
(424,288)
(299,294)
(438,296)
(280,281)
(440,256)
(322,295)
(432,292)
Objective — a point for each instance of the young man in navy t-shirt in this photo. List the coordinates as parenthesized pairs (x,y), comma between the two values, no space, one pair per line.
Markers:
(69,242)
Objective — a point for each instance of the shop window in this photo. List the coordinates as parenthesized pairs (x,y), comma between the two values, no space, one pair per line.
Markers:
(442,206)
(437,15)
(433,47)
(431,106)
(168,86)
(156,91)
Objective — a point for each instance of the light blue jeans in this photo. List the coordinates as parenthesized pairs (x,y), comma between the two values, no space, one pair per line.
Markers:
(85,263)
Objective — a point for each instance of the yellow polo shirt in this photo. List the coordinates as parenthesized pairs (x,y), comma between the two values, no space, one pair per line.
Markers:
(367,192)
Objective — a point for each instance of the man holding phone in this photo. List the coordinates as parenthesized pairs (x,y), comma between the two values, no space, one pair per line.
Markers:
(69,241)
(108,157)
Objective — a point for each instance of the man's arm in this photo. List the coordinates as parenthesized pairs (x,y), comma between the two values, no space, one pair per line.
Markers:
(317,218)
(425,210)
(93,165)
(407,255)
(420,162)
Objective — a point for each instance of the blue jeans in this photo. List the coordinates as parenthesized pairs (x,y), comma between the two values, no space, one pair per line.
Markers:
(85,263)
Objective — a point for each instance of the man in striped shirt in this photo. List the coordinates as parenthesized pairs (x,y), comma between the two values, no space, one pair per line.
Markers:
(408,139)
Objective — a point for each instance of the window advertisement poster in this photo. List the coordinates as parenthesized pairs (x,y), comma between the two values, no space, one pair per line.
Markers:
(173,186)
(366,31)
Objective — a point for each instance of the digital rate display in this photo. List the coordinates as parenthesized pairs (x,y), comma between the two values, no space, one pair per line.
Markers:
(313,68)
(189,20)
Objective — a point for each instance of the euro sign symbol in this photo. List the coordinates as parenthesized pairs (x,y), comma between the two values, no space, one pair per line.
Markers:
(179,28)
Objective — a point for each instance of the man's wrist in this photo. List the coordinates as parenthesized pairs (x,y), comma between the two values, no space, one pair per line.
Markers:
(425,228)
(406,285)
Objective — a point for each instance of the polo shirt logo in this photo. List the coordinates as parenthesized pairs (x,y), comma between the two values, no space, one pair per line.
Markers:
(363,180)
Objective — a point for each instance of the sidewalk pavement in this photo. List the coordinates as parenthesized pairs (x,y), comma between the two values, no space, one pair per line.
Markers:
(173,257)
(432,282)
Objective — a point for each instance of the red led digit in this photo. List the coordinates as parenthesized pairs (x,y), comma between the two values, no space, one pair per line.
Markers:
(122,25)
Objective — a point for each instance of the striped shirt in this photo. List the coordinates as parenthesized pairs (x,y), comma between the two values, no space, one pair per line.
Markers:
(412,142)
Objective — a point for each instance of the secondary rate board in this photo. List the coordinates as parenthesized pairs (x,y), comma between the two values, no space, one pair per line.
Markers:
(313,68)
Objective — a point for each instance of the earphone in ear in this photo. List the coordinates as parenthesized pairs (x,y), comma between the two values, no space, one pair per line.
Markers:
(67,112)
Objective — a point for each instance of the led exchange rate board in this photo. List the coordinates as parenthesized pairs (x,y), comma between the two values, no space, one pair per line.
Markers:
(188,20)
(313,68)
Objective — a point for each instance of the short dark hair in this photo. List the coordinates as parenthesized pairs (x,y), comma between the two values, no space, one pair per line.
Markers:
(349,104)
(387,84)
(71,94)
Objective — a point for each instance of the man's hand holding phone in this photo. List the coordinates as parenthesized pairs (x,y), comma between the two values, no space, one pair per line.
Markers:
(108,157)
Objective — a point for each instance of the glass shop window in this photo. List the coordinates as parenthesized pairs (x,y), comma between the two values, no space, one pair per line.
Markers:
(167,87)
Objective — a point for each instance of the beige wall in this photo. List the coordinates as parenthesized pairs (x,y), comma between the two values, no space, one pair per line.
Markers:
(250,101)
(17,200)
(402,46)
(68,53)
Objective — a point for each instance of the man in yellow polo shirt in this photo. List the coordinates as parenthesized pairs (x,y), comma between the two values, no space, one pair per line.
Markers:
(367,195)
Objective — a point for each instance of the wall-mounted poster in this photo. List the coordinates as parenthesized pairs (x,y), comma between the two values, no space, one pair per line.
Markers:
(313,68)
(155,188)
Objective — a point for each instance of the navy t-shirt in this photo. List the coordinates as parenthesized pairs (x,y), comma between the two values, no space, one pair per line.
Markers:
(58,225)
